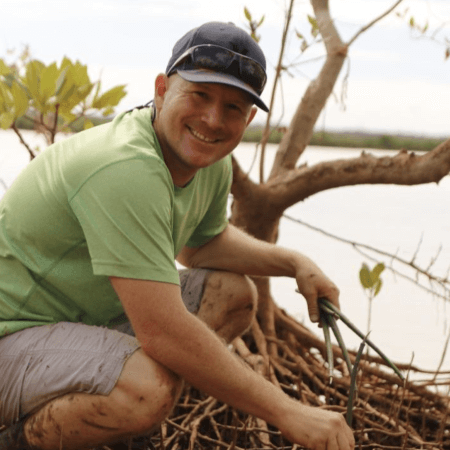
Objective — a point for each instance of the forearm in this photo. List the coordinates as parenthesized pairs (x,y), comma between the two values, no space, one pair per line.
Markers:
(194,352)
(238,252)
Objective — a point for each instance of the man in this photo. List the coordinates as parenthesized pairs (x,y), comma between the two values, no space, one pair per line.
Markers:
(89,235)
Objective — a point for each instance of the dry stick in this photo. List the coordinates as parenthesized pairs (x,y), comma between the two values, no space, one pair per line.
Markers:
(442,281)
(260,340)
(196,422)
(266,131)
(373,22)
(382,374)
(202,436)
(442,357)
(188,418)
(306,337)
(19,134)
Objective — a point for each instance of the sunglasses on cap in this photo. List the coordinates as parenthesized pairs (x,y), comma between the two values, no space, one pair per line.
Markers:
(220,59)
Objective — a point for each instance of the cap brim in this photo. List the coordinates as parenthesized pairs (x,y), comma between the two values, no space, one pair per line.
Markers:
(202,76)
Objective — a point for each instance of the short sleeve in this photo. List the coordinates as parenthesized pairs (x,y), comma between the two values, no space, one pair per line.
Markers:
(125,213)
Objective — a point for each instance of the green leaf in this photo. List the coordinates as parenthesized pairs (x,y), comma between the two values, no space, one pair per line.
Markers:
(83,92)
(80,74)
(20,99)
(299,35)
(7,97)
(97,90)
(61,81)
(379,283)
(248,16)
(64,95)
(376,271)
(88,124)
(4,69)
(412,22)
(32,81)
(365,278)
(255,37)
(67,115)
(48,81)
(312,20)
(110,98)
(261,21)
(65,64)
(108,111)
(6,120)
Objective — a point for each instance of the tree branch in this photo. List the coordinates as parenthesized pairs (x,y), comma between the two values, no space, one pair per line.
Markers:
(369,25)
(404,169)
(301,127)
(22,141)
(242,185)
(266,131)
(442,283)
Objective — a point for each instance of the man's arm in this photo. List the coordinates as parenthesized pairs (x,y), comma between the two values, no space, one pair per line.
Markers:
(182,343)
(235,251)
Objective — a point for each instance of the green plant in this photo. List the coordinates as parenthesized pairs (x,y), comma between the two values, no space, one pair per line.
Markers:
(371,282)
(52,98)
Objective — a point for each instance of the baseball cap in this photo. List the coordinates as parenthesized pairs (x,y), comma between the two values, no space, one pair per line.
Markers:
(223,53)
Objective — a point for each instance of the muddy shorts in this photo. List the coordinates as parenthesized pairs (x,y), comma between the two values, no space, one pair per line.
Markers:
(41,363)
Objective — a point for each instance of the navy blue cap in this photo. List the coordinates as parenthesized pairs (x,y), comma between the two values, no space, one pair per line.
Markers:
(226,35)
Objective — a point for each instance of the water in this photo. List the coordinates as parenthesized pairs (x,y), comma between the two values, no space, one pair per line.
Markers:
(405,319)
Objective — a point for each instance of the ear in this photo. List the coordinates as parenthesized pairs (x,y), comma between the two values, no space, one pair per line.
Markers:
(161,85)
(252,115)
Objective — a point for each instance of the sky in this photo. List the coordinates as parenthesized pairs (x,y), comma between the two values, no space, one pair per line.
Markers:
(396,81)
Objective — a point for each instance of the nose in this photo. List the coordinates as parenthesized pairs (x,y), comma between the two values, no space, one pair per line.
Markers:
(213,115)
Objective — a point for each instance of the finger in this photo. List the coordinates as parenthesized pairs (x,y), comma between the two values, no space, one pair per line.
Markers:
(333,444)
(313,306)
(345,439)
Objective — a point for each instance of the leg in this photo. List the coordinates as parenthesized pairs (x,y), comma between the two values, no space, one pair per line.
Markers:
(143,397)
(77,386)
(228,304)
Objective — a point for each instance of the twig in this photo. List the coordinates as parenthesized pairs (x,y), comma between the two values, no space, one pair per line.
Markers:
(377,19)
(22,141)
(266,131)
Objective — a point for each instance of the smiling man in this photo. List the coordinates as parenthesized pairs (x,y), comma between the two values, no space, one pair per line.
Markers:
(98,327)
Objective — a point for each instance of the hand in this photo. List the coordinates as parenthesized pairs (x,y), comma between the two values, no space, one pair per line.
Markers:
(314,284)
(317,429)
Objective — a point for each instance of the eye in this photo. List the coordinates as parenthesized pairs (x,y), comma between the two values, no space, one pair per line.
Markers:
(234,107)
(201,94)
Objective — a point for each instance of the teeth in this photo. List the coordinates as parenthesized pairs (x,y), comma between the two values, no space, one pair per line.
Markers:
(200,136)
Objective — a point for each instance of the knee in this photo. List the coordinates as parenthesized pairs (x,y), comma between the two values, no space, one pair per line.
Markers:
(146,394)
(229,304)
(243,298)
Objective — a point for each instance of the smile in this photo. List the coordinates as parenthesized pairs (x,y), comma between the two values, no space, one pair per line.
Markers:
(201,137)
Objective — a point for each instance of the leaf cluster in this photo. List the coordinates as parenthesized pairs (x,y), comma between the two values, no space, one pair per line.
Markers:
(253,24)
(370,279)
(52,96)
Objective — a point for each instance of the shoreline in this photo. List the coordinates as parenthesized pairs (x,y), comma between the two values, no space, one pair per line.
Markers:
(324,138)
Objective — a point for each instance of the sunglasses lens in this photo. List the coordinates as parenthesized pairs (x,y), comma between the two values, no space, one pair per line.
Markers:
(222,59)
(253,74)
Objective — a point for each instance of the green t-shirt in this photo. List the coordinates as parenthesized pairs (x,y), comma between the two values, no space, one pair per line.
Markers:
(100,203)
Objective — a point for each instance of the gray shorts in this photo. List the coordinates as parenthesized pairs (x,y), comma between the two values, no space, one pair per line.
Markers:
(41,363)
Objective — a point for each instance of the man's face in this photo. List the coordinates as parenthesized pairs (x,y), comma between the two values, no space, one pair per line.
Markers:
(198,124)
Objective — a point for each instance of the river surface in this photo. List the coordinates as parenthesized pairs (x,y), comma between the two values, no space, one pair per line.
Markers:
(407,322)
